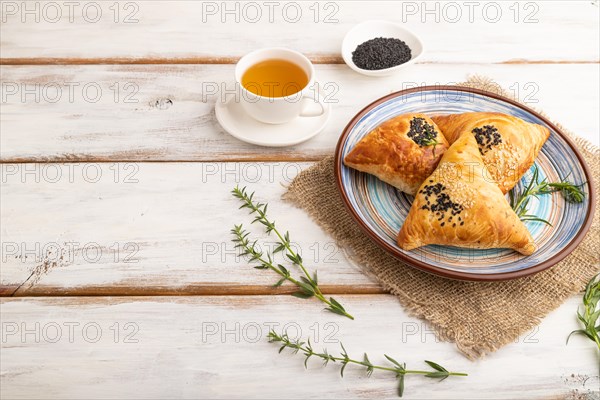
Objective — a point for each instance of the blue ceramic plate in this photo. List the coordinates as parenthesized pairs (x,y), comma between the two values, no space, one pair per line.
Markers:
(380,209)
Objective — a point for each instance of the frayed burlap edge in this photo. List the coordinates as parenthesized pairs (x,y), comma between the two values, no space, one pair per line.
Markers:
(479,317)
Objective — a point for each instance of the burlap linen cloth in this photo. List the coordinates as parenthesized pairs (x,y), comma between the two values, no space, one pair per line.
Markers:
(480,317)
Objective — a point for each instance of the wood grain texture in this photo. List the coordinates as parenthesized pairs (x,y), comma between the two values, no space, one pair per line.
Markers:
(184,30)
(214,347)
(151,228)
(316,59)
(165,113)
(201,289)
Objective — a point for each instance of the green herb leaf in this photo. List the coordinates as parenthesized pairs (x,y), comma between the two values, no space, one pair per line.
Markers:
(390,359)
(437,374)
(280,282)
(344,364)
(283,270)
(302,295)
(336,304)
(306,287)
(435,366)
(368,364)
(336,311)
(400,385)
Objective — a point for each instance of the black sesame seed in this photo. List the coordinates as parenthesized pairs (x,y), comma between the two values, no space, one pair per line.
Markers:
(441,204)
(381,53)
(486,137)
(422,133)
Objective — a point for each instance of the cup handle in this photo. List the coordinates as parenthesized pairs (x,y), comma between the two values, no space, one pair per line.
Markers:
(320,99)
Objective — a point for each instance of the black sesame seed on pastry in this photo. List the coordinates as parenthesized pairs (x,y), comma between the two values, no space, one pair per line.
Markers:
(508,144)
(458,206)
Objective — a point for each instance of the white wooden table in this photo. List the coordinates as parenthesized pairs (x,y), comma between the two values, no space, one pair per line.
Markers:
(118,275)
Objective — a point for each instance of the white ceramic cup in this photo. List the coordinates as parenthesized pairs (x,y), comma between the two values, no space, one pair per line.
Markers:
(278,110)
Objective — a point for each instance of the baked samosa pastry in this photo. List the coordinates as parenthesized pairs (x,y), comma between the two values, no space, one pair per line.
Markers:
(508,144)
(402,151)
(458,206)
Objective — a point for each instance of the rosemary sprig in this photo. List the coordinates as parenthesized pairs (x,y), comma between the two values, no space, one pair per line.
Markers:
(344,359)
(307,283)
(535,188)
(591,312)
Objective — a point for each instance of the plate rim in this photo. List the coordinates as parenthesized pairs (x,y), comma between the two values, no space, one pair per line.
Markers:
(460,275)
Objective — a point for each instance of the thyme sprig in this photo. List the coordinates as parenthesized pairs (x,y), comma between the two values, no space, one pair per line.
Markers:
(308,284)
(591,312)
(437,371)
(535,188)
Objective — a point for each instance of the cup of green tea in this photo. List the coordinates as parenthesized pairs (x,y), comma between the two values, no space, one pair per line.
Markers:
(277,86)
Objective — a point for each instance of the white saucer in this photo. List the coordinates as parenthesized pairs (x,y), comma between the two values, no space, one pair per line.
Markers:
(240,125)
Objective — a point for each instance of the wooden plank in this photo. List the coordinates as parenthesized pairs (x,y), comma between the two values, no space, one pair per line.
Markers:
(165,113)
(151,228)
(315,59)
(215,347)
(176,31)
(200,289)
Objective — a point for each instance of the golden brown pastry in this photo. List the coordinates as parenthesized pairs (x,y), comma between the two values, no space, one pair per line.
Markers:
(457,206)
(402,151)
(508,144)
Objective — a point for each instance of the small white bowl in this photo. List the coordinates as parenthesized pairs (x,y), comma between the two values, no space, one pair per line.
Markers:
(374,29)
